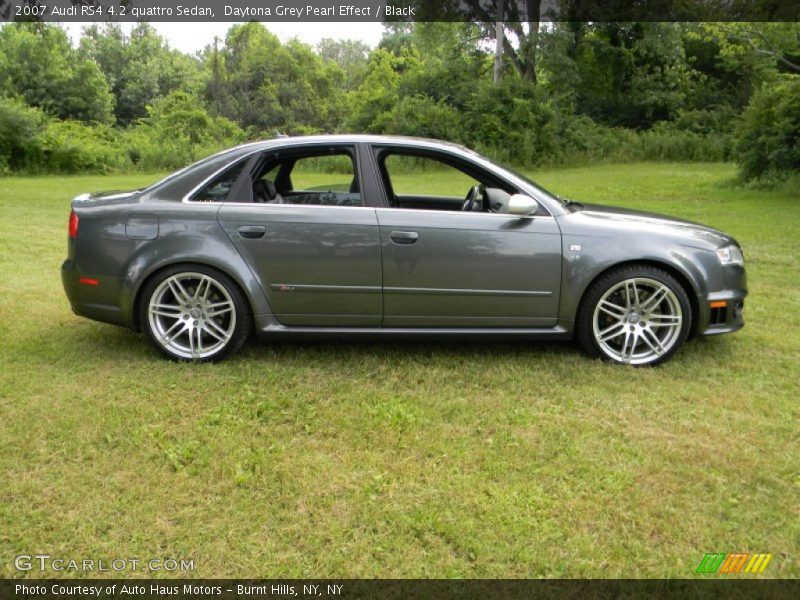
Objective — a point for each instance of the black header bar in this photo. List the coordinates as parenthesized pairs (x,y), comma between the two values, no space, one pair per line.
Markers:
(398,10)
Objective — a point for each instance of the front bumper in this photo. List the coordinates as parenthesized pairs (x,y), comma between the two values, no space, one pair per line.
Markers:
(723,311)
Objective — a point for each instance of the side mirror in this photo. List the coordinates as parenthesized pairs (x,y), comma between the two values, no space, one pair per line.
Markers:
(522,205)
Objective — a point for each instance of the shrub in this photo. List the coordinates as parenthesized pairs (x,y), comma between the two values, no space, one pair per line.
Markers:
(72,147)
(178,131)
(20,128)
(768,137)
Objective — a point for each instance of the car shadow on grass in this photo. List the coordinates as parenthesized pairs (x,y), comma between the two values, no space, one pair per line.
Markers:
(105,342)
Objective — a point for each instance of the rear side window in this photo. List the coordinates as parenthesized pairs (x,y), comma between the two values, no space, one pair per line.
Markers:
(327,179)
(323,174)
(217,189)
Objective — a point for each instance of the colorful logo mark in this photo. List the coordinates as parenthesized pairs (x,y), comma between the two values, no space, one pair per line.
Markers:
(731,564)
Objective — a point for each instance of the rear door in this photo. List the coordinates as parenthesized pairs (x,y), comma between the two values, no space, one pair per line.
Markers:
(309,237)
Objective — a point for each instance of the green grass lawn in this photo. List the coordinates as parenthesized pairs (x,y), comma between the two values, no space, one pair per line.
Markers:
(404,460)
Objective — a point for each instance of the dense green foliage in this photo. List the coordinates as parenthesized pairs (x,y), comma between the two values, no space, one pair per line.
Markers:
(769,137)
(564,93)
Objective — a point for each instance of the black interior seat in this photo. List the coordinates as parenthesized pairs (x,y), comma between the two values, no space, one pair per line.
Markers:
(264,190)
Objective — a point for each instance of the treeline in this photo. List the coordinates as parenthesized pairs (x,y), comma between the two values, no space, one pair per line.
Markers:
(557,94)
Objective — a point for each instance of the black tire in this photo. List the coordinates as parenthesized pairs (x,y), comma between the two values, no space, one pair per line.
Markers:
(625,322)
(194,313)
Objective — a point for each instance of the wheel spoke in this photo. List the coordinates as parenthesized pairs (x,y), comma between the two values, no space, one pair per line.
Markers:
(219,311)
(626,352)
(628,285)
(615,310)
(213,326)
(192,347)
(166,339)
(166,307)
(670,321)
(212,333)
(166,310)
(180,293)
(651,339)
(655,298)
(611,332)
(203,286)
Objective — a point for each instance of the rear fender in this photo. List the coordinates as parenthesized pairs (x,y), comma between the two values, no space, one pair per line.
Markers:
(204,243)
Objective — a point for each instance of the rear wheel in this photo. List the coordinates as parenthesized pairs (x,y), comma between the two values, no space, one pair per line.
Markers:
(637,315)
(191,312)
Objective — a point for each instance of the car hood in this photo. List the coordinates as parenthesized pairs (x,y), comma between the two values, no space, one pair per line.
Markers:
(616,218)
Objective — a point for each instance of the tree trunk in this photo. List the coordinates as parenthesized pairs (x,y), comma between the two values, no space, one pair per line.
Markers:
(498,48)
(529,45)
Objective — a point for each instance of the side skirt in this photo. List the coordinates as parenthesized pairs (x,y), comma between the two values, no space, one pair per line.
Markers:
(267,327)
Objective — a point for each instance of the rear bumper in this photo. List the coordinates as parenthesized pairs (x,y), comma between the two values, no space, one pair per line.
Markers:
(99,302)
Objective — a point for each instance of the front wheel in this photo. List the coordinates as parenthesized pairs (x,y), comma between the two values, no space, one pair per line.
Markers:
(192,312)
(637,315)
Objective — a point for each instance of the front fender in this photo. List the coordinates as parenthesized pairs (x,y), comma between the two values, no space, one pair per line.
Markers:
(587,258)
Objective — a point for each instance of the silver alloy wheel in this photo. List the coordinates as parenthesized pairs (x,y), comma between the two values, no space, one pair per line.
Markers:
(637,321)
(191,315)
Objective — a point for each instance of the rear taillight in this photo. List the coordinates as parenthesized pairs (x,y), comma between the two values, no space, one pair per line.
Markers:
(73,224)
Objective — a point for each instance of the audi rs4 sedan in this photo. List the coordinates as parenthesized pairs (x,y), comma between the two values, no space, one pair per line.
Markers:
(385,236)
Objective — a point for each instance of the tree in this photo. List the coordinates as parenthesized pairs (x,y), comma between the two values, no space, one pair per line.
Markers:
(39,65)
(631,74)
(268,86)
(522,21)
(351,56)
(139,68)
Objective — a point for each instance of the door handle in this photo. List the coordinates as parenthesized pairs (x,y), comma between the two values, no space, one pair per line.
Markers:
(252,231)
(404,237)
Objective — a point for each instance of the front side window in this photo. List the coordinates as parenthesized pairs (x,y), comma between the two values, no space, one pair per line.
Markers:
(425,182)
(425,176)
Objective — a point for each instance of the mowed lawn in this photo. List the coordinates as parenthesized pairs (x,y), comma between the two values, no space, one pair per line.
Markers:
(404,459)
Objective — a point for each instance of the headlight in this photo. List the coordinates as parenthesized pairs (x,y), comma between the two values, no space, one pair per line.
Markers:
(730,255)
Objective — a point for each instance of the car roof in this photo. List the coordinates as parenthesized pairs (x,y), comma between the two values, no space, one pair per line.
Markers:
(418,142)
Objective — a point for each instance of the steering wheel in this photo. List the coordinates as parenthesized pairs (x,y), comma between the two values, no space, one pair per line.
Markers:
(473,196)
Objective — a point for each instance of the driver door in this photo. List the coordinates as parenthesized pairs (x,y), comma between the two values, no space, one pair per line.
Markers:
(443,267)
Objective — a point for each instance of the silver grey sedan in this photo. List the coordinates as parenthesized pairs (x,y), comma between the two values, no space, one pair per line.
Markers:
(385,236)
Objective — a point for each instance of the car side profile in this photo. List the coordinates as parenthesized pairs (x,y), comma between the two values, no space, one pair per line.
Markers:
(389,236)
